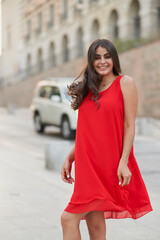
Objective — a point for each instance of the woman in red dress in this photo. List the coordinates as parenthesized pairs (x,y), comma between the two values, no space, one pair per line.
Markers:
(108,183)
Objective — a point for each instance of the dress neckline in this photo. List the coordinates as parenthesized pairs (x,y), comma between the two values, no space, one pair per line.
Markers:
(110,85)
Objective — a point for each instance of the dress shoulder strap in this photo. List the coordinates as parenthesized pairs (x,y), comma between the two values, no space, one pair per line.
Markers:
(119,78)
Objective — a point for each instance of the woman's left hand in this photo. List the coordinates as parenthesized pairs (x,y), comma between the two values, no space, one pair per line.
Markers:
(124,174)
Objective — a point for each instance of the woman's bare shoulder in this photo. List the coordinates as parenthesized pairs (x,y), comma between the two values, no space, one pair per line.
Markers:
(127,82)
(126,79)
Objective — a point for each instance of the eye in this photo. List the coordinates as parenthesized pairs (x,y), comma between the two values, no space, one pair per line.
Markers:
(97,57)
(108,56)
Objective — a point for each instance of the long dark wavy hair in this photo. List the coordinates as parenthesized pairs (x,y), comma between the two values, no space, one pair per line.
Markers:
(89,78)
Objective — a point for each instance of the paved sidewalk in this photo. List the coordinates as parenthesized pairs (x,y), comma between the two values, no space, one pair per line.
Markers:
(33,198)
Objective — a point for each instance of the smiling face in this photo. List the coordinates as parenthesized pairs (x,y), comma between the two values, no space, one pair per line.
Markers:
(103,63)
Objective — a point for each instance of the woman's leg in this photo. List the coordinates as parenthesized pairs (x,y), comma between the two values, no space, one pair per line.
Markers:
(96,225)
(70,225)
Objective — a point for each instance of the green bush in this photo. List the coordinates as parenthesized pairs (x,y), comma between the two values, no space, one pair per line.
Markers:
(124,45)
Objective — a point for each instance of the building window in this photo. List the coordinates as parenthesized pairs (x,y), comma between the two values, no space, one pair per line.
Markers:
(158,17)
(65,9)
(80,47)
(65,51)
(51,17)
(39,61)
(52,56)
(28,30)
(29,66)
(39,24)
(9,38)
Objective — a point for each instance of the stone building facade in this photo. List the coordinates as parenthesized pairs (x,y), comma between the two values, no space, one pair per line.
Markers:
(11,38)
(55,32)
(52,39)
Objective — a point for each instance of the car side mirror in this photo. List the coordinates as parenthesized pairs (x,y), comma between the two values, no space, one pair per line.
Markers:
(56,98)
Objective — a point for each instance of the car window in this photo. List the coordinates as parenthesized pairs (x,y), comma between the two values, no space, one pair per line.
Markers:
(66,94)
(55,91)
(45,91)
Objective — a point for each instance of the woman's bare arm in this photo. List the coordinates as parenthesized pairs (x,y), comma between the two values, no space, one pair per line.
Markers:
(67,166)
(130,98)
(71,155)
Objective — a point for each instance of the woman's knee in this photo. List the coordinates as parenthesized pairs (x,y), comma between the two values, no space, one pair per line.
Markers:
(65,219)
(68,220)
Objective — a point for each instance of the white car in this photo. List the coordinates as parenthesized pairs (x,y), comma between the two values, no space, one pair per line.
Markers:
(51,107)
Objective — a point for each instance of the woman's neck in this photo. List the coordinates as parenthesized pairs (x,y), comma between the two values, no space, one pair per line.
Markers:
(108,78)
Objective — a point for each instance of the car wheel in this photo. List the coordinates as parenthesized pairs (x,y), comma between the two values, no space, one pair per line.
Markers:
(66,131)
(39,127)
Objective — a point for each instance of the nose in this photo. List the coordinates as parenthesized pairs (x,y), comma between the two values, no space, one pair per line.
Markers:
(102,60)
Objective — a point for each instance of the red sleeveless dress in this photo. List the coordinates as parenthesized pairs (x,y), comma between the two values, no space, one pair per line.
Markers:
(98,148)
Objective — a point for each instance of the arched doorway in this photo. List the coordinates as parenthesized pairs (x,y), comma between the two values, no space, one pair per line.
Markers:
(95,30)
(134,20)
(113,25)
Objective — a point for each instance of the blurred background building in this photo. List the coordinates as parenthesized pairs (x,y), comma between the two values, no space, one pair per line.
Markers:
(50,38)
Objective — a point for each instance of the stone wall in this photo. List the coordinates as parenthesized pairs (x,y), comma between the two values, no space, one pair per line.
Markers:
(141,63)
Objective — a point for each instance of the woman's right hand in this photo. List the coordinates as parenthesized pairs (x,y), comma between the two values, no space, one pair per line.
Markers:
(66,171)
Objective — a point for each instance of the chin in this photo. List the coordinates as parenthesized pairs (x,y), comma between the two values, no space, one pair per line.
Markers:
(103,73)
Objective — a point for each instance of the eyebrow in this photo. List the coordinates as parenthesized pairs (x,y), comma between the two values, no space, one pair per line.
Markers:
(103,55)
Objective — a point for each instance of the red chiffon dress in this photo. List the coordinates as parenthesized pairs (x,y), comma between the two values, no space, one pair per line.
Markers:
(98,148)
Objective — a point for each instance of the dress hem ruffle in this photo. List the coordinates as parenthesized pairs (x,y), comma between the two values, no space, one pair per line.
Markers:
(112,211)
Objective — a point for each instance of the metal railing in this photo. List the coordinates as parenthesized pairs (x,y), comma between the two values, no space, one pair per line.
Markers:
(29,71)
(58,59)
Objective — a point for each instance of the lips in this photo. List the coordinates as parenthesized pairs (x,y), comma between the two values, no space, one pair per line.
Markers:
(103,68)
